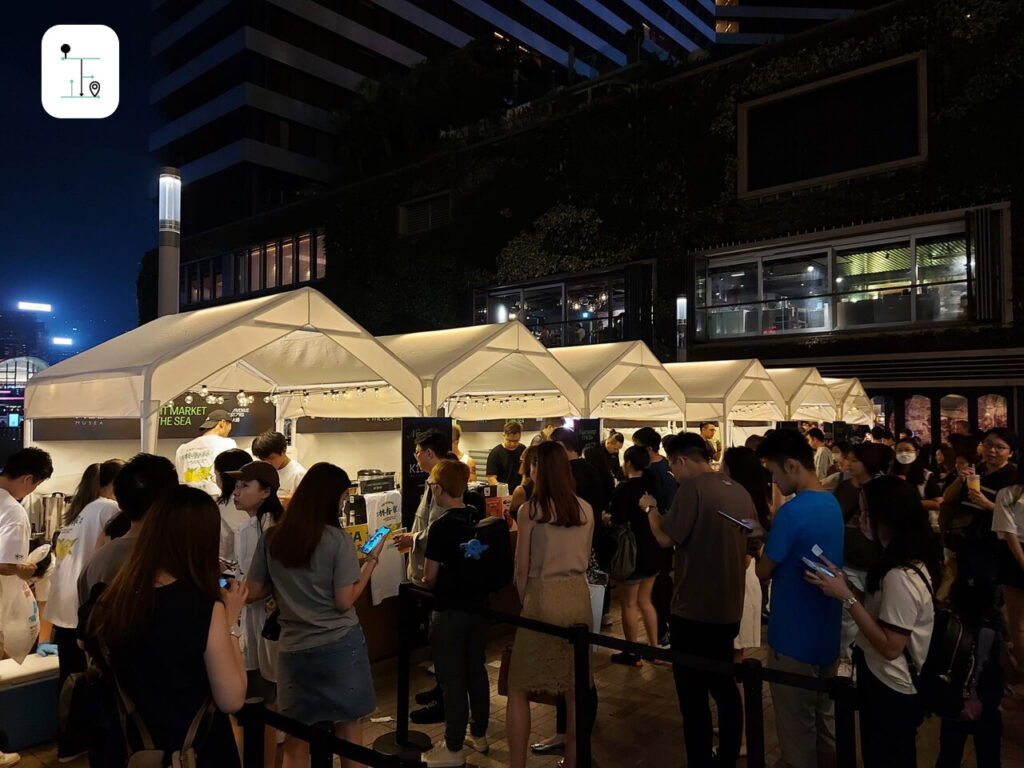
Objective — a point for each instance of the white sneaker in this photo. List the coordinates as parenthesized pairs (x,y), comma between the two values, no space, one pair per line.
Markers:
(478,743)
(9,758)
(442,757)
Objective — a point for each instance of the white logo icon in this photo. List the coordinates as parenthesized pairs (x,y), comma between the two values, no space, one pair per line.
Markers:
(80,71)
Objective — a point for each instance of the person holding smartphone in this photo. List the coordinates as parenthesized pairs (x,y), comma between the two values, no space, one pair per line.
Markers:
(311,567)
(895,617)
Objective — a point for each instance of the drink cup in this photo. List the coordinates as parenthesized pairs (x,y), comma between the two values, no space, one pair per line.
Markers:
(973,482)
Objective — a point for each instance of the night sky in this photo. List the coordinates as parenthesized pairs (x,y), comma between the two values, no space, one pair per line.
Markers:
(77,197)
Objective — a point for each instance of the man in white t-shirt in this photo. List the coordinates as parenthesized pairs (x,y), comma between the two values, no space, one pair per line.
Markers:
(23,472)
(272,447)
(194,459)
(822,453)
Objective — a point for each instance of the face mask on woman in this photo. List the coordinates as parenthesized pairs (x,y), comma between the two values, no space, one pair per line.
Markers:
(906,457)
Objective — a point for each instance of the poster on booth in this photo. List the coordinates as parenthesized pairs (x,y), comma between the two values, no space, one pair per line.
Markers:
(414,479)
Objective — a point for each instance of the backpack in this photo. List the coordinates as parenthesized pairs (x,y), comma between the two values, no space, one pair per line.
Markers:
(623,562)
(486,553)
(944,680)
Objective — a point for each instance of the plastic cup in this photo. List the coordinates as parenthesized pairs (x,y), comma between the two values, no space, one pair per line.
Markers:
(974,482)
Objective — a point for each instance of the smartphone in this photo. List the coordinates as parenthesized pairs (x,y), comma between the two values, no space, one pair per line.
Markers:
(741,523)
(375,539)
(224,579)
(817,567)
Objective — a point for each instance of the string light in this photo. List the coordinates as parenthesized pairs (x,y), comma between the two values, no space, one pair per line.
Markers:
(188,399)
(203,391)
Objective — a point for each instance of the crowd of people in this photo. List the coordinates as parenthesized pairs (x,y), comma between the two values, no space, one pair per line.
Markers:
(192,588)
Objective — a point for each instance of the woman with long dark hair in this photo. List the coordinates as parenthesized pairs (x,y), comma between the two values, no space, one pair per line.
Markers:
(92,507)
(910,465)
(895,619)
(310,565)
(232,518)
(165,626)
(555,533)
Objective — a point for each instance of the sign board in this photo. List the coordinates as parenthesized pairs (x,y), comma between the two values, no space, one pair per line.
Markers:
(182,420)
(414,479)
(588,431)
(309,425)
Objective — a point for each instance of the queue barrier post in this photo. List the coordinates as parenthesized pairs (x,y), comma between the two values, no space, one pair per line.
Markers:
(406,744)
(251,719)
(320,753)
(581,690)
(753,711)
(844,695)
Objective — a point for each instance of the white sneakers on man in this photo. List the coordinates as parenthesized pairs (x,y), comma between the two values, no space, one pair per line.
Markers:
(442,757)
(478,743)
(9,758)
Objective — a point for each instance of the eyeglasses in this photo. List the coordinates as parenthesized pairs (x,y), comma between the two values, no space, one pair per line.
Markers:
(996,447)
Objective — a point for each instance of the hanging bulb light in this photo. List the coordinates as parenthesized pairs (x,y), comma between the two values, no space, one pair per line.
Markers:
(275,399)
(266,398)
(203,391)
(305,397)
(241,397)
(220,401)
(188,399)
(335,395)
(326,395)
(170,403)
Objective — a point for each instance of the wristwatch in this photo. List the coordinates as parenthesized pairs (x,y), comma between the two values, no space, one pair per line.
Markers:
(649,507)
(849,602)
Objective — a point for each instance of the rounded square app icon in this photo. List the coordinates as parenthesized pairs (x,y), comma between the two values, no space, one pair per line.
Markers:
(80,71)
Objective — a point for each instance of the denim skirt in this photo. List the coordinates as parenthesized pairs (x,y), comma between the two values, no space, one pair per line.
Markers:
(327,684)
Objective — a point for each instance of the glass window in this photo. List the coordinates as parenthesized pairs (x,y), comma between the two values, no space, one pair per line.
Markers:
(735,284)
(991,412)
(206,270)
(287,262)
(795,290)
(952,408)
(241,280)
(193,284)
(321,256)
(918,412)
(873,285)
(542,311)
(885,407)
(182,285)
(304,259)
(271,262)
(942,275)
(254,270)
(681,328)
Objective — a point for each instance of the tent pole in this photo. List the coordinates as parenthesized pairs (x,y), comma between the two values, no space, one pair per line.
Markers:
(150,424)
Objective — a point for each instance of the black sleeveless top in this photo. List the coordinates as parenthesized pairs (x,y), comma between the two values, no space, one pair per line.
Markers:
(166,677)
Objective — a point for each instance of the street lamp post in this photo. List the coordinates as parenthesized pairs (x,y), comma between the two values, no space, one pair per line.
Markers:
(170,241)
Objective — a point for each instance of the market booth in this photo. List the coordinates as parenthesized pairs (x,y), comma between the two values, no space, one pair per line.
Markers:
(807,396)
(853,405)
(735,393)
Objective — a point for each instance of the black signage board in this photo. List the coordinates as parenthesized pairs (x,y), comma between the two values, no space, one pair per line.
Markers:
(588,431)
(85,428)
(183,420)
(414,479)
(308,424)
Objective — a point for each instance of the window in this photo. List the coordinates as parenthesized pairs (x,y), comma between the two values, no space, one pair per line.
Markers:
(918,417)
(724,26)
(304,259)
(424,215)
(271,262)
(254,270)
(868,120)
(321,256)
(991,412)
(916,277)
(952,408)
(287,262)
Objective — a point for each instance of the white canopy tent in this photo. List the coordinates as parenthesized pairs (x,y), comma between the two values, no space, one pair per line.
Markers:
(727,391)
(487,372)
(288,344)
(624,380)
(806,394)
(852,403)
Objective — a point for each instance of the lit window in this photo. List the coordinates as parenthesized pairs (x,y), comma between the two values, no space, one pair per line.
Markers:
(271,265)
(304,259)
(321,256)
(723,26)
(287,262)
(254,270)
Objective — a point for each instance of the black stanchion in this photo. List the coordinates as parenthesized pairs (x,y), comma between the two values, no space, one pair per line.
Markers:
(753,711)
(402,742)
(320,753)
(845,698)
(251,720)
(581,687)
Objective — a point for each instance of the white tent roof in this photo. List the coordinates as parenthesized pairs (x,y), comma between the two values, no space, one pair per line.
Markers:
(724,390)
(623,380)
(487,372)
(806,394)
(296,340)
(852,403)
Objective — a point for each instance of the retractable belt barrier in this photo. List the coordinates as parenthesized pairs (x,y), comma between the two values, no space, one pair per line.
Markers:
(401,749)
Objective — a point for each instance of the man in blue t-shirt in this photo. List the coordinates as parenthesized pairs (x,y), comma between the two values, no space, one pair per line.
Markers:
(804,629)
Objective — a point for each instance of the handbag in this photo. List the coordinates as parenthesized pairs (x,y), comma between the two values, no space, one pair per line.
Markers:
(272,625)
(623,563)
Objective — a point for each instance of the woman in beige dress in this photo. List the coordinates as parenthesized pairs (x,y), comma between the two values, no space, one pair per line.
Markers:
(555,530)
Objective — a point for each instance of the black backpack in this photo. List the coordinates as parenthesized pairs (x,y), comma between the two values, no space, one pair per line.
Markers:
(486,553)
(945,679)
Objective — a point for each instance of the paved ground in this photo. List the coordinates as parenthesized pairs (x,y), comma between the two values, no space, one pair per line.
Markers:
(638,720)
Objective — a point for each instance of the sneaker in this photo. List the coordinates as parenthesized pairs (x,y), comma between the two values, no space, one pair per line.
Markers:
(9,758)
(627,659)
(442,757)
(665,640)
(426,697)
(478,743)
(68,758)
(606,620)
(428,715)
(844,669)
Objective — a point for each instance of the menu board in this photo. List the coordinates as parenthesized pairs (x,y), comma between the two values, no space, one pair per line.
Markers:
(414,479)
(183,420)
(588,431)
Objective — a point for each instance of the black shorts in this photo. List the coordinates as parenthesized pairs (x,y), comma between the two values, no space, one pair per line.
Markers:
(260,688)
(1010,572)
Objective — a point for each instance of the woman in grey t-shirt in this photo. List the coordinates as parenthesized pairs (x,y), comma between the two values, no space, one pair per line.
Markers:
(311,567)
